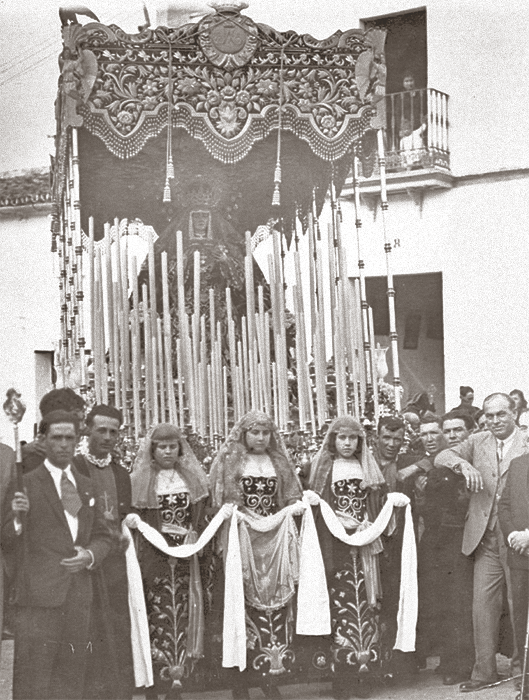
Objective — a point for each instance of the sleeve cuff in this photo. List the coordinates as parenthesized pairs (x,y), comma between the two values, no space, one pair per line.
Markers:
(92,563)
(17,526)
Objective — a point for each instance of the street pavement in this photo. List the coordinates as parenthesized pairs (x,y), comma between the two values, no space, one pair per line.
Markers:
(425,685)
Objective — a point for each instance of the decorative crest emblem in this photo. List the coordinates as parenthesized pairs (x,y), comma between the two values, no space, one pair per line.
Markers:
(227,38)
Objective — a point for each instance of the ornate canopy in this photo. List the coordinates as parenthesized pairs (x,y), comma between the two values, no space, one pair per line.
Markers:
(216,91)
(224,75)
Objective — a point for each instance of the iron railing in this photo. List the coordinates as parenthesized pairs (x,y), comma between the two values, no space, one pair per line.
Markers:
(416,134)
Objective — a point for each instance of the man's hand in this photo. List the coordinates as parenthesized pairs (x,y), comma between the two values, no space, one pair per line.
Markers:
(519,541)
(20,503)
(82,560)
(472,477)
(403,474)
(420,482)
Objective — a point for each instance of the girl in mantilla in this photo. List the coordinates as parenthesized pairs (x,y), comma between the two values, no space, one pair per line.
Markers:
(346,476)
(253,471)
(169,488)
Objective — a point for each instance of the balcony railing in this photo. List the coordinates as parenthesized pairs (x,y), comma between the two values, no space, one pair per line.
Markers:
(416,134)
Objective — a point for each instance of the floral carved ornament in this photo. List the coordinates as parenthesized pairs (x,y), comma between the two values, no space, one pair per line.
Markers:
(228,108)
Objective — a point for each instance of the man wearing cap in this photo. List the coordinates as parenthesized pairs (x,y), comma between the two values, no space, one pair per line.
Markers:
(59,536)
(65,399)
(110,673)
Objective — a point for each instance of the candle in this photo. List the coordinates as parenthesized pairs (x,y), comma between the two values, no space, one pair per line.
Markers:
(147,344)
(136,358)
(373,364)
(154,323)
(161,370)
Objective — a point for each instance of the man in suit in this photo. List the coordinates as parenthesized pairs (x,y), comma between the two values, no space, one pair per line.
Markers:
(513,514)
(390,438)
(457,427)
(483,459)
(466,394)
(61,536)
(33,453)
(110,672)
(7,477)
(445,574)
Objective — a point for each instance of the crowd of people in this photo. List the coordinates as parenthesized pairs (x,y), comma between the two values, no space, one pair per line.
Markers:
(88,624)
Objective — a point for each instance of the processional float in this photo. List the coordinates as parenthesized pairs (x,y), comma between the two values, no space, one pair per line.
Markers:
(192,166)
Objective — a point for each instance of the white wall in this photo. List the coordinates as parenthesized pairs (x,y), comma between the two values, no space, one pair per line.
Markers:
(476,235)
(478,54)
(29,312)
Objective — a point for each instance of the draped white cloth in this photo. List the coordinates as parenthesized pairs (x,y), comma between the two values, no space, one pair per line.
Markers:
(314,612)
(139,625)
(313,609)
(141,644)
(408,599)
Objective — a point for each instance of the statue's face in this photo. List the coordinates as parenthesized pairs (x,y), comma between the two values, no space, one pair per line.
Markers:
(200,221)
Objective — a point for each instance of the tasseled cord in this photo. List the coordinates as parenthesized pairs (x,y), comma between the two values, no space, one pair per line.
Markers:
(276,197)
(169,163)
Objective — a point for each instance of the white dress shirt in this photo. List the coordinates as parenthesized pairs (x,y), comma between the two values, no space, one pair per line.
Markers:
(507,442)
(56,475)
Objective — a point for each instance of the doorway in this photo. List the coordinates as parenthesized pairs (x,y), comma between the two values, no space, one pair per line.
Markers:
(419,315)
(406,49)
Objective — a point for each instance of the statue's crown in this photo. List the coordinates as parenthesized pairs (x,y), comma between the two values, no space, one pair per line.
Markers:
(226,6)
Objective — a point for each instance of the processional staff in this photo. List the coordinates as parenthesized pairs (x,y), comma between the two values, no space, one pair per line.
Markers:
(14,410)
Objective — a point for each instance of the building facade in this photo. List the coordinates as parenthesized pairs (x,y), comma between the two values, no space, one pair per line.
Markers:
(29,313)
(457,217)
(458,209)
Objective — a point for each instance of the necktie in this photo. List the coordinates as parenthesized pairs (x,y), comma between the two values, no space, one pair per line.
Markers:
(500,450)
(69,496)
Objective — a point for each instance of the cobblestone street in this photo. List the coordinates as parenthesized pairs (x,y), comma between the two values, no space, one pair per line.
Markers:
(426,684)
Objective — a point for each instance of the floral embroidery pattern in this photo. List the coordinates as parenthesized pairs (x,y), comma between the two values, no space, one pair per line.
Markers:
(314,81)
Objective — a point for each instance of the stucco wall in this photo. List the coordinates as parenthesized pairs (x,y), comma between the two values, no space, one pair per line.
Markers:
(476,235)
(29,312)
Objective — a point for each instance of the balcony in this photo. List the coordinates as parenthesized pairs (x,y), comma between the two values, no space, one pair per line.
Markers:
(416,142)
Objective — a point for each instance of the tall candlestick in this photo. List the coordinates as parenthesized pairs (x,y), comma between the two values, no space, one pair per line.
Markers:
(154,323)
(373,365)
(136,352)
(393,337)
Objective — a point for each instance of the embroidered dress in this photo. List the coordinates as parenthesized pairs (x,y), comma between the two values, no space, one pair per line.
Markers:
(269,632)
(351,486)
(166,582)
(355,634)
(261,485)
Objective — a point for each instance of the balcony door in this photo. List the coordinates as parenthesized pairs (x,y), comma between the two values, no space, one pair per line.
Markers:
(405,47)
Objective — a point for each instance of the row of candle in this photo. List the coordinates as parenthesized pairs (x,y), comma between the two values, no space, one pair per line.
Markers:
(219,378)
(208,380)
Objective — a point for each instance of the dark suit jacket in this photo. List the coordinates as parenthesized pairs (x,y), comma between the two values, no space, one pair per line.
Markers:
(7,479)
(46,540)
(513,508)
(121,479)
(480,450)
